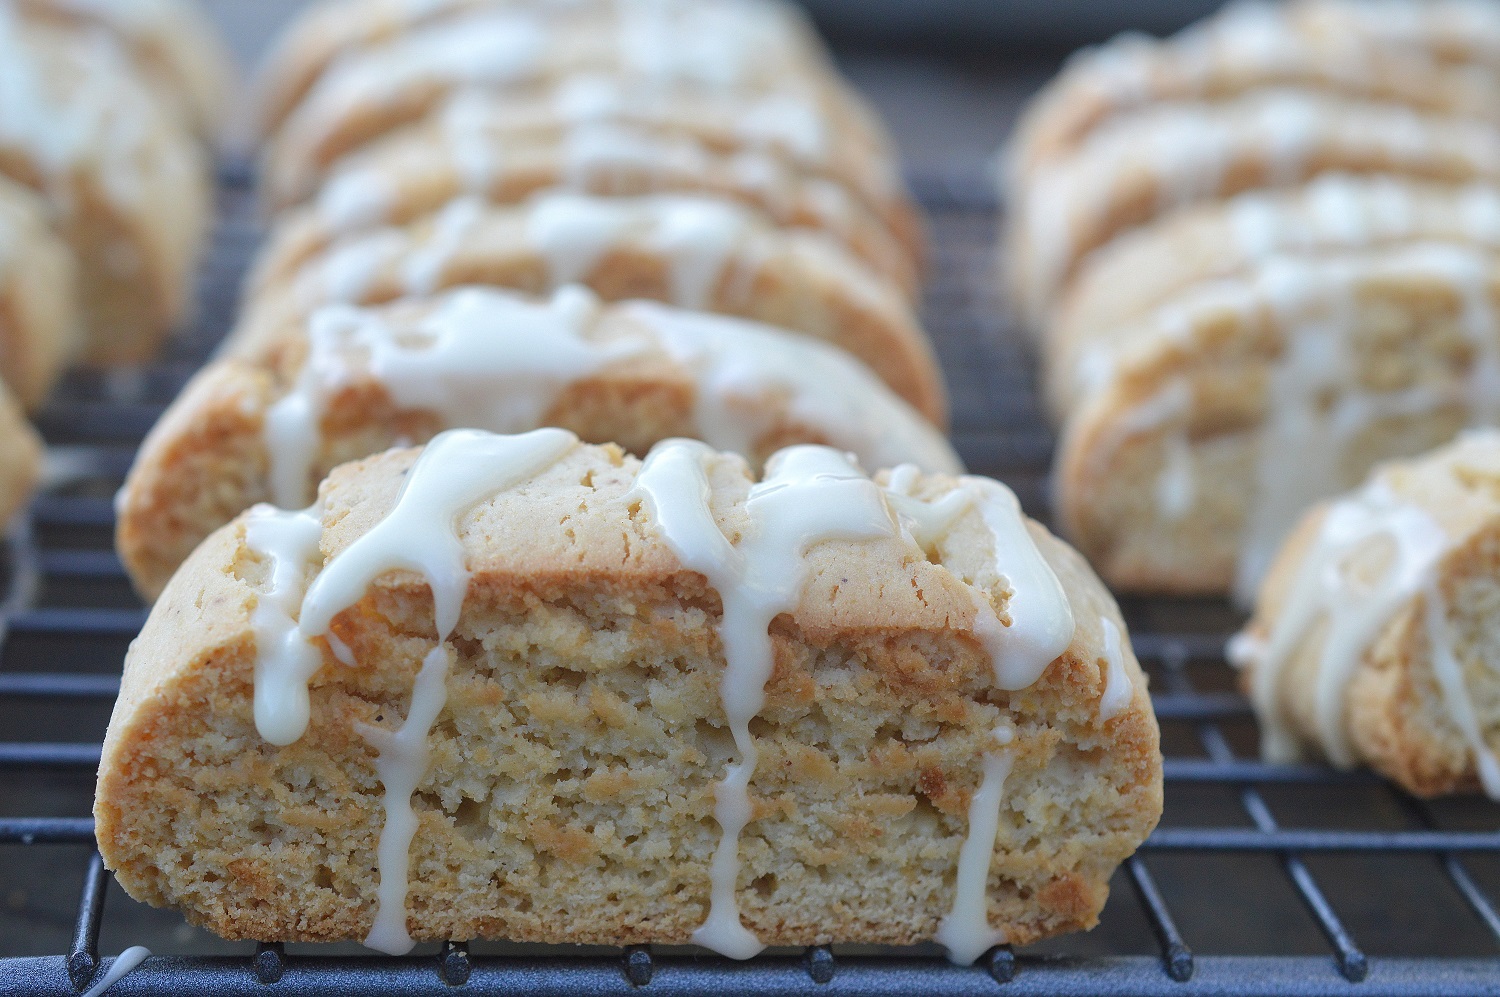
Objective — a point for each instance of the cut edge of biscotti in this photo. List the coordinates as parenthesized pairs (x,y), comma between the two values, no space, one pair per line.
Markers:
(579,622)
(1373,639)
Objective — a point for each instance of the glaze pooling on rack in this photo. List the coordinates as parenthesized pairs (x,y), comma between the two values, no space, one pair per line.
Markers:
(124,963)
(457,470)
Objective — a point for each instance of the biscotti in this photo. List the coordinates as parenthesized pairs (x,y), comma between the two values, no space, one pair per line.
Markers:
(1247,47)
(1373,640)
(125,180)
(170,42)
(1211,424)
(1144,269)
(20,458)
(494,689)
(711,47)
(39,322)
(473,150)
(330,31)
(350,382)
(700,253)
(1139,165)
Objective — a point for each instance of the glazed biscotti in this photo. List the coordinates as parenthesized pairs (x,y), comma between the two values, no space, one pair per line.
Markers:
(125,180)
(481,149)
(1374,637)
(680,46)
(519,687)
(696,252)
(351,382)
(39,321)
(1146,268)
(1329,48)
(1212,423)
(332,31)
(1138,166)
(170,42)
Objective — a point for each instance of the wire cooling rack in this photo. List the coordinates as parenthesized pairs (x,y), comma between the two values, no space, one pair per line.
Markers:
(1261,880)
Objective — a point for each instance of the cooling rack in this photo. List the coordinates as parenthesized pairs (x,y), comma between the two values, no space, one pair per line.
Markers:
(1262,879)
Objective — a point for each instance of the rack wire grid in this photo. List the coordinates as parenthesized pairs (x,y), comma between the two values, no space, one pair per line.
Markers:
(1261,879)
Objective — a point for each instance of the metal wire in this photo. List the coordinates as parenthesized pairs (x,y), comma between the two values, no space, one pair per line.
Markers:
(62,546)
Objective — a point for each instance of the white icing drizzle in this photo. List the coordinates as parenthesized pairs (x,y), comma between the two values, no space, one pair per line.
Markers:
(697,234)
(285,660)
(1373,552)
(965,932)
(1118,689)
(825,389)
(490,359)
(423,271)
(809,495)
(1176,491)
(455,471)
(122,964)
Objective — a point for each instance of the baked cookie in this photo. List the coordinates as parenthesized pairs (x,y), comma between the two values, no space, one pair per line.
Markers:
(1139,165)
(714,47)
(1250,46)
(701,253)
(39,322)
(352,382)
(1214,423)
(1457,32)
(171,42)
(468,152)
(127,184)
(20,458)
(1146,267)
(493,691)
(328,31)
(1373,638)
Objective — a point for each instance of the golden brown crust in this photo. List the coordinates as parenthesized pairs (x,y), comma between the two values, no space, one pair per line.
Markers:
(795,280)
(594,796)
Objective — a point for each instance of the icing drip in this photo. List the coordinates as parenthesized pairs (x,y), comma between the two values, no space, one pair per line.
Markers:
(456,470)
(1118,689)
(285,660)
(424,268)
(1373,552)
(401,764)
(124,963)
(1176,492)
(1449,672)
(809,495)
(486,359)
(697,234)
(824,388)
(965,932)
